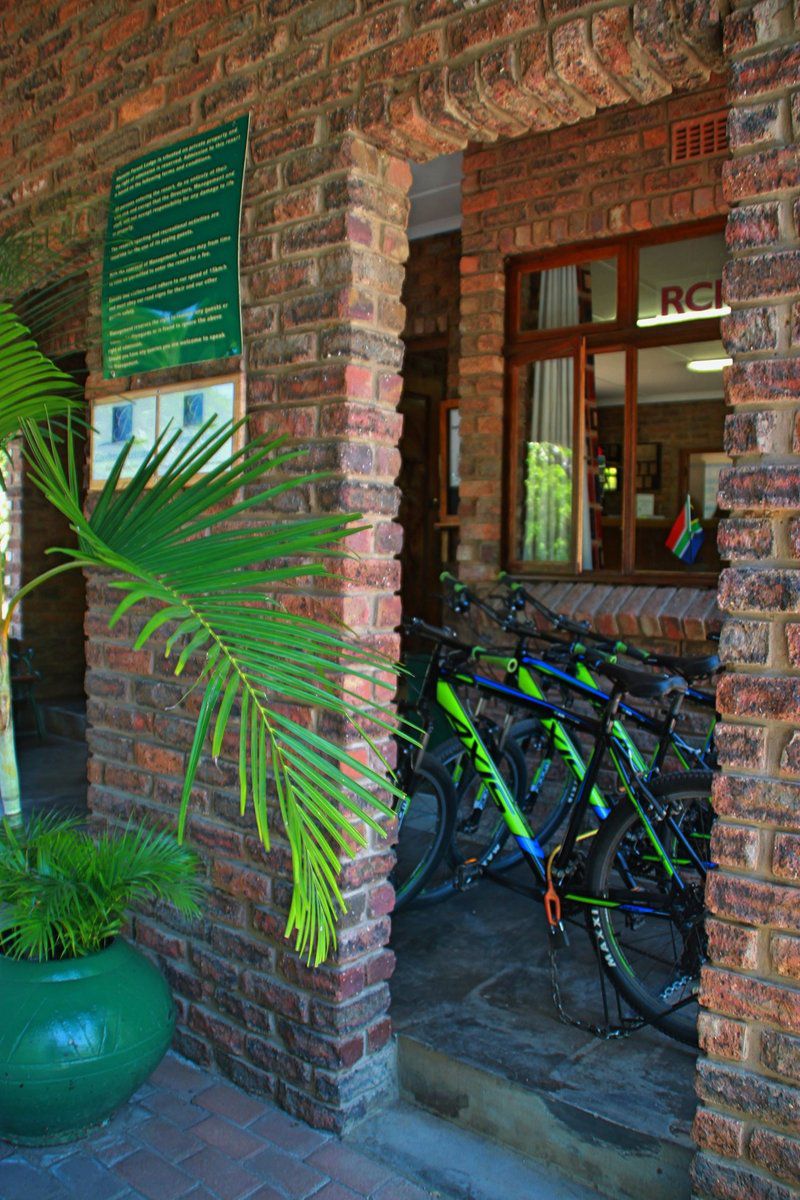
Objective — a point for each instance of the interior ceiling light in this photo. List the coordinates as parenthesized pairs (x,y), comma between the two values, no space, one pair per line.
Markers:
(705,365)
(676,318)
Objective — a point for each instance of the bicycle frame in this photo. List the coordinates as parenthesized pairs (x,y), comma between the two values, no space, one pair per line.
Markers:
(584,684)
(464,728)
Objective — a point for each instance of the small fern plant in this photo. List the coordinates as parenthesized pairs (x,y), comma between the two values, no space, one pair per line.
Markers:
(64,893)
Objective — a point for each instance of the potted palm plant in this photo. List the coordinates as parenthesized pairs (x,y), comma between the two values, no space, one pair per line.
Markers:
(86,1016)
(186,544)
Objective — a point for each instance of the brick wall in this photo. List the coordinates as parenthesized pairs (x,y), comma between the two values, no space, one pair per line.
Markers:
(747,1125)
(337,91)
(599,178)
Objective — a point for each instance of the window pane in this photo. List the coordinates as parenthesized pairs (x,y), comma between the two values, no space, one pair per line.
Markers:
(681,413)
(579,294)
(681,281)
(544,461)
(605,436)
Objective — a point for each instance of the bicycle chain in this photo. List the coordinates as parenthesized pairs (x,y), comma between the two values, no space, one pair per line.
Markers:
(673,987)
(604,1033)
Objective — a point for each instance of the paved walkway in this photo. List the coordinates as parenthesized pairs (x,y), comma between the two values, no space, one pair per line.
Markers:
(186,1134)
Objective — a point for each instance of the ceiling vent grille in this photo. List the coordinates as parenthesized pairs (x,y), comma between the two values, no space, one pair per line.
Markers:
(699,138)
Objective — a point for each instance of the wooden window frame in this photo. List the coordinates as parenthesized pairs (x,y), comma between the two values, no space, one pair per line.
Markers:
(623,334)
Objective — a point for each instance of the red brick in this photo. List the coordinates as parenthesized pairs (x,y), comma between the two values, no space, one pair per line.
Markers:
(714,1177)
(760,276)
(761,174)
(759,589)
(719,1133)
(776,1153)
(750,329)
(744,642)
(732,945)
(752,1000)
(732,1087)
(741,746)
(762,697)
(785,955)
(765,800)
(786,857)
(723,1037)
(780,1052)
(735,846)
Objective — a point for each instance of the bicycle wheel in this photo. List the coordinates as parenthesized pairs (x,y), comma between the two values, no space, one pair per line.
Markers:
(654,958)
(480,829)
(551,786)
(425,827)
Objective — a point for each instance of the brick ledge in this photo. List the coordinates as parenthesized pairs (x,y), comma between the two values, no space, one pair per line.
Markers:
(673,614)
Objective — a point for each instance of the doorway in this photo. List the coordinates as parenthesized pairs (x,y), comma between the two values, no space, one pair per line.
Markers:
(428,503)
(51,730)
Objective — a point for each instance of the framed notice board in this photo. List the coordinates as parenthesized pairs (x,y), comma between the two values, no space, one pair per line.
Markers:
(171,263)
(144,414)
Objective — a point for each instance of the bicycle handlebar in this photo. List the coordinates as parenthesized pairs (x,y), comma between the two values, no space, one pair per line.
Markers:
(581,629)
(440,634)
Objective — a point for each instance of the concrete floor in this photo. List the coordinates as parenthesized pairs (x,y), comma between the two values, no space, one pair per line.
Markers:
(52,773)
(480,1043)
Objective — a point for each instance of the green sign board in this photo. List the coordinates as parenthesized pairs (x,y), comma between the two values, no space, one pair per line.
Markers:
(171,263)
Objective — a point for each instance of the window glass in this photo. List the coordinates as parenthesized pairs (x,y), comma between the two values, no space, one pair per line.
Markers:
(453,460)
(626,496)
(578,294)
(544,465)
(681,281)
(605,439)
(680,419)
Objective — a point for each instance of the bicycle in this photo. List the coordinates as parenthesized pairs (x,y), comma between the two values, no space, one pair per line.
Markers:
(425,817)
(554,762)
(641,883)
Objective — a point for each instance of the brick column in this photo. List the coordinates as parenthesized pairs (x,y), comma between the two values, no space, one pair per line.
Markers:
(748,1125)
(323,247)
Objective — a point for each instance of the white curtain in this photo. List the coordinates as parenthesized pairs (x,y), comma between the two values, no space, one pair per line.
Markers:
(547,523)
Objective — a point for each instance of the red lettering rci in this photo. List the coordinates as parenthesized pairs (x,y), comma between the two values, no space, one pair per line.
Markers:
(698,298)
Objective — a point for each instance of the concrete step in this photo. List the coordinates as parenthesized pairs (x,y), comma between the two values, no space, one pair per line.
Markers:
(566,1135)
(455,1164)
(66,719)
(480,1044)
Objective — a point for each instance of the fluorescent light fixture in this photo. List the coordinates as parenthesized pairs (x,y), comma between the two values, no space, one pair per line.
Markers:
(677,318)
(706,365)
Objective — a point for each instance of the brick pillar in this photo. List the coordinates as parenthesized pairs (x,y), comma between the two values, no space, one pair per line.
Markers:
(323,247)
(748,1125)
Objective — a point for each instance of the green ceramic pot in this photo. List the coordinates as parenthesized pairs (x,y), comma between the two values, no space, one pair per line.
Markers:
(77,1038)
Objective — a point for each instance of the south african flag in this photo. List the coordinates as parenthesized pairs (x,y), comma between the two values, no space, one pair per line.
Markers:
(686,536)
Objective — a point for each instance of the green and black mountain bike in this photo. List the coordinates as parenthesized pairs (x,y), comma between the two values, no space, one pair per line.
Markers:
(638,877)
(554,763)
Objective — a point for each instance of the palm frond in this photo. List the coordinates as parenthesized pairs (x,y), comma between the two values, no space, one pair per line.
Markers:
(192,545)
(39,278)
(32,388)
(64,895)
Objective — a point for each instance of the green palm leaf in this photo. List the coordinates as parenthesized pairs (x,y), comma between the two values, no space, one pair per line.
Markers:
(191,545)
(32,388)
(39,277)
(64,894)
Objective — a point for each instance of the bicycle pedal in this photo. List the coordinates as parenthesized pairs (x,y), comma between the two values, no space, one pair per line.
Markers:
(557,936)
(467,875)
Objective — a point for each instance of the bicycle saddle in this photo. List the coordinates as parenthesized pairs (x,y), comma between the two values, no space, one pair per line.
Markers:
(690,668)
(640,683)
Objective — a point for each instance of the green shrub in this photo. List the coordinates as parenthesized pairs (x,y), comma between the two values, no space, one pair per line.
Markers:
(64,893)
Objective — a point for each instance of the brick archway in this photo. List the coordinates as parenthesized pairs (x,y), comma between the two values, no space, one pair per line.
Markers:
(541,78)
(341,95)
